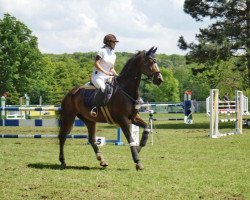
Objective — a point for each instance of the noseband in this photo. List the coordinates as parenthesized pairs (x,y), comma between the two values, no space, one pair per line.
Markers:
(152,76)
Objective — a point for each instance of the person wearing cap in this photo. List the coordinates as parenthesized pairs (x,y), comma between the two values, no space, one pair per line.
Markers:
(104,65)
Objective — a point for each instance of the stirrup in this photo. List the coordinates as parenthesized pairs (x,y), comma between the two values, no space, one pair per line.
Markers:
(94,112)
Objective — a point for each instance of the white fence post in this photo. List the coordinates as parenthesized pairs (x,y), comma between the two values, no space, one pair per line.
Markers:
(214,114)
(239,111)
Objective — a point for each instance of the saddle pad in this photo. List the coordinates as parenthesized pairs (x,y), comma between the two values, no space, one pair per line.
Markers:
(89,95)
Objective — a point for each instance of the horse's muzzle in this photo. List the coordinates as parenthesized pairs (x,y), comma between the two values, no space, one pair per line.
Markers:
(157,79)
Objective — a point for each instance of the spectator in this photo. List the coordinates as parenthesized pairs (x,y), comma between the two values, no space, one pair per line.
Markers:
(5,95)
(226,97)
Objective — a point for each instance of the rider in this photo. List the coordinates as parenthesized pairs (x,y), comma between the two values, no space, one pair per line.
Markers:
(104,65)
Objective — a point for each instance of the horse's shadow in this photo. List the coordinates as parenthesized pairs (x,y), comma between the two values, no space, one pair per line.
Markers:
(59,167)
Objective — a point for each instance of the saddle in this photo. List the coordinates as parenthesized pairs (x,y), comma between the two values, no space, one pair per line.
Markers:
(95,97)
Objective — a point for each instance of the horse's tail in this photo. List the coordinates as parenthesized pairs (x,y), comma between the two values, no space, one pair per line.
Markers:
(68,112)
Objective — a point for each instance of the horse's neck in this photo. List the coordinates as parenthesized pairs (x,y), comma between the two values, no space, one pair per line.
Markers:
(130,81)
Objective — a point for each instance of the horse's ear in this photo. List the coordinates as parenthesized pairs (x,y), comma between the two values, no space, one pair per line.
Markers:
(149,51)
(154,50)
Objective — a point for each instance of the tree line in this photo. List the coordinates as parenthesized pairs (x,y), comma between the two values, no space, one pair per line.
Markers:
(24,69)
(224,44)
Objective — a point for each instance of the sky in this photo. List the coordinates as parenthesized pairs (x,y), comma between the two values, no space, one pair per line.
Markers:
(68,26)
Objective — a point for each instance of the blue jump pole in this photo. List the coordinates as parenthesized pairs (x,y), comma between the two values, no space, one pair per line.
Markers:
(118,141)
(40,136)
(119,137)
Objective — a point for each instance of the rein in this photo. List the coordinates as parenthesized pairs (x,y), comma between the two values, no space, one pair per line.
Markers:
(125,93)
(149,79)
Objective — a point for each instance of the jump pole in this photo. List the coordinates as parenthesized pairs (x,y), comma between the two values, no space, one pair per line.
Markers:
(100,140)
(38,136)
(39,122)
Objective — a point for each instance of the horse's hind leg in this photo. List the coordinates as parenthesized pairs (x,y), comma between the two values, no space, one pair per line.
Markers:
(92,140)
(66,124)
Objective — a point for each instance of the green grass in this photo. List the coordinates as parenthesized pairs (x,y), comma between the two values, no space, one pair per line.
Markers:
(183,163)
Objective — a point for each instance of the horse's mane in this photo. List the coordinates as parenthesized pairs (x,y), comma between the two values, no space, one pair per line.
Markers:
(127,67)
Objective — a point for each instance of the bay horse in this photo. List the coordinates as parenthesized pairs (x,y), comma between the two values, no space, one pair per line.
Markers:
(121,106)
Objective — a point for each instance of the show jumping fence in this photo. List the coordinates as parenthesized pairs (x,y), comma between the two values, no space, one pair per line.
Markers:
(43,122)
(21,115)
(217,108)
(228,107)
(186,108)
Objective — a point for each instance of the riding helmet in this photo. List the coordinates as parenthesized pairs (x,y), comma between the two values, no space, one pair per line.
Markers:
(109,38)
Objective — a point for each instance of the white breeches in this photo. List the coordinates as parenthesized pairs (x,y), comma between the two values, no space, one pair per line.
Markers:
(99,82)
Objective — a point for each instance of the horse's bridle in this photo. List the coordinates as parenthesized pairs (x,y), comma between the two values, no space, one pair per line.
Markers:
(146,61)
(149,78)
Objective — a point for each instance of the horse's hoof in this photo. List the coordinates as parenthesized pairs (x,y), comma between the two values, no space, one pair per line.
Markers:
(139,166)
(104,164)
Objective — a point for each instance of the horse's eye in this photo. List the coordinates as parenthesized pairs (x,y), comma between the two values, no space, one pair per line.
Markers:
(152,60)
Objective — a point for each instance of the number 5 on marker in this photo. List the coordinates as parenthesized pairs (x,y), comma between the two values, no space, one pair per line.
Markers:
(100,141)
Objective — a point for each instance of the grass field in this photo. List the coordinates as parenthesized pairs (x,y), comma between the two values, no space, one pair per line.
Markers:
(183,163)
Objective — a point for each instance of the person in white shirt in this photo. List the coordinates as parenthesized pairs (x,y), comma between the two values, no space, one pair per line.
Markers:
(104,65)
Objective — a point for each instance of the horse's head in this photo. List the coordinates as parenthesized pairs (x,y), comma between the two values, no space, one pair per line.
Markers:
(150,67)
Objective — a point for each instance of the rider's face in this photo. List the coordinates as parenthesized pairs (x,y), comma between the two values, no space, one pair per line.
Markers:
(112,44)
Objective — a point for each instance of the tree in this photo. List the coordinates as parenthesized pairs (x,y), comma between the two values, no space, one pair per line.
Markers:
(63,72)
(168,91)
(20,60)
(228,36)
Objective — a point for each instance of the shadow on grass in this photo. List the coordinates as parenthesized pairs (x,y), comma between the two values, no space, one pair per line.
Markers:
(58,167)
(182,126)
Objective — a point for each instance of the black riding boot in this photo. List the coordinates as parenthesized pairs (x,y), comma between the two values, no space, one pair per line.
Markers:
(99,100)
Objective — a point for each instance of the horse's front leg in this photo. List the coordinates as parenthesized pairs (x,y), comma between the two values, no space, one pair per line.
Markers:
(133,146)
(136,120)
(92,140)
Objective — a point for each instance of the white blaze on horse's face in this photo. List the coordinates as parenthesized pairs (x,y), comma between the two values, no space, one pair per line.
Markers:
(156,66)
(156,76)
(150,54)
(153,71)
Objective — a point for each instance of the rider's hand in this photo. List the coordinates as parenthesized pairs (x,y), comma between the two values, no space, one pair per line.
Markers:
(110,73)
